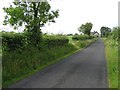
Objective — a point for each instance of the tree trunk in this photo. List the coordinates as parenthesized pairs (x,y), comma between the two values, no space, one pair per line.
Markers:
(36,32)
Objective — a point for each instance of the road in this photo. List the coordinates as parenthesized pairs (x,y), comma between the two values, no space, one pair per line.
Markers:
(84,69)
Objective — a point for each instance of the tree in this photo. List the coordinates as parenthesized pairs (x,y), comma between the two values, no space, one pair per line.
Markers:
(31,14)
(86,28)
(116,33)
(105,31)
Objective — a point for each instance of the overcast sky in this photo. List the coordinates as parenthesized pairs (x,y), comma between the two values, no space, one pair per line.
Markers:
(73,13)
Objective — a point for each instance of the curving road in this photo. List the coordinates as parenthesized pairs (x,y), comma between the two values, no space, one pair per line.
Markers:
(84,69)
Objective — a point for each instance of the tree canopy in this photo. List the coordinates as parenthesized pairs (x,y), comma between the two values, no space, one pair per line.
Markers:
(86,28)
(105,31)
(29,13)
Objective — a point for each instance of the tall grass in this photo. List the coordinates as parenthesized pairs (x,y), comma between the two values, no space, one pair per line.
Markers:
(16,65)
(112,62)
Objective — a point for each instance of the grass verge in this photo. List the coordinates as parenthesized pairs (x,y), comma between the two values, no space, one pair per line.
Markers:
(112,62)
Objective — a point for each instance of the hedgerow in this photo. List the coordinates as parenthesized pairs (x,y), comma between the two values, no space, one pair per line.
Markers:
(82,37)
(13,41)
(19,41)
(50,41)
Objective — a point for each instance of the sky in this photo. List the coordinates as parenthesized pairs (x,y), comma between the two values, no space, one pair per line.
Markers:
(73,13)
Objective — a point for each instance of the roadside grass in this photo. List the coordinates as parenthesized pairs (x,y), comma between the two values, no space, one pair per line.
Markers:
(19,65)
(80,44)
(112,62)
(119,65)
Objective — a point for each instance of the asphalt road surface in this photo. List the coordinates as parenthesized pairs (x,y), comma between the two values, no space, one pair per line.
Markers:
(84,69)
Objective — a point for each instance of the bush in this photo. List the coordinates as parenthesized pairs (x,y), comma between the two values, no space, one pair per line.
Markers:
(13,41)
(115,33)
(82,37)
(53,41)
(18,41)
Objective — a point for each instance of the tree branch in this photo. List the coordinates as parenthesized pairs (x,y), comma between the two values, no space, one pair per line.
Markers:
(38,5)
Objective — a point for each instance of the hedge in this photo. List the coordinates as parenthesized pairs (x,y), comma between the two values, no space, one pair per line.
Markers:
(18,41)
(82,37)
(53,41)
(12,41)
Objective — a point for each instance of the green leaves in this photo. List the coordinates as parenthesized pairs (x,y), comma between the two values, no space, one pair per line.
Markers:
(85,28)
(30,13)
(105,31)
(115,34)
(14,16)
(44,7)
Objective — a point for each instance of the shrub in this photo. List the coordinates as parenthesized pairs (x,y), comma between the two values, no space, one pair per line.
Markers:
(80,37)
(53,41)
(115,33)
(19,41)
(13,41)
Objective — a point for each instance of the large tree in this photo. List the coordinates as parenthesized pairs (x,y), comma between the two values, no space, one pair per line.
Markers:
(33,15)
(86,28)
(105,31)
